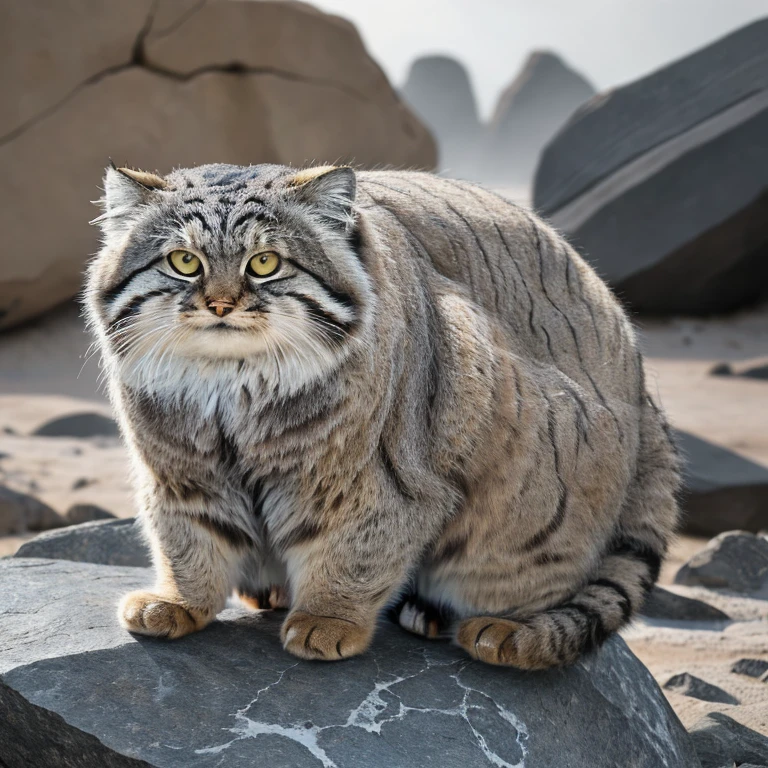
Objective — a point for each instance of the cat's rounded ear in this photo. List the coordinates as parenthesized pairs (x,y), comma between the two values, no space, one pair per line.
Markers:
(125,191)
(126,187)
(330,189)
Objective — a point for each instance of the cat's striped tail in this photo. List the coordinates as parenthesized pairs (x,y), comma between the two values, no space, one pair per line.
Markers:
(628,570)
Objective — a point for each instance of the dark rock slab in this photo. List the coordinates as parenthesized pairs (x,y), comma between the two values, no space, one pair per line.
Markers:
(79,425)
(20,512)
(721,742)
(722,490)
(105,542)
(663,183)
(87,513)
(439,91)
(231,695)
(696,688)
(666,605)
(750,667)
(759,372)
(530,110)
(736,560)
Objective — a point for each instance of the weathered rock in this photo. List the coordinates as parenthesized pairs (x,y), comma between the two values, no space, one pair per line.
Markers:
(722,490)
(106,542)
(736,560)
(759,372)
(231,696)
(79,425)
(663,604)
(750,667)
(721,742)
(663,183)
(529,112)
(439,92)
(696,688)
(20,512)
(87,513)
(250,82)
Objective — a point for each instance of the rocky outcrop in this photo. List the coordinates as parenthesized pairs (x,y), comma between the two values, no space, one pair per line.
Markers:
(722,490)
(166,84)
(105,542)
(79,425)
(689,685)
(439,91)
(231,696)
(20,512)
(533,107)
(663,183)
(736,560)
(721,742)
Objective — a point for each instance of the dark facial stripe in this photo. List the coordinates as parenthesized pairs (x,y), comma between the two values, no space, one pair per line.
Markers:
(342,298)
(329,322)
(133,306)
(110,294)
(187,216)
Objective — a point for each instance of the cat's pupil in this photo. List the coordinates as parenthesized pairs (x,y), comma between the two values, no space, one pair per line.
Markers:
(264,259)
(187,257)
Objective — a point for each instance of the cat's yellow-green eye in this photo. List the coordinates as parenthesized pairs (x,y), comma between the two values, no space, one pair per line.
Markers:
(263,264)
(185,263)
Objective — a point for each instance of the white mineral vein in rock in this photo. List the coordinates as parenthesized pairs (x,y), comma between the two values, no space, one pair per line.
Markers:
(368,716)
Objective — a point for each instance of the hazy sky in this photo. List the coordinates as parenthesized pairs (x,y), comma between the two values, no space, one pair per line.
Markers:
(608,41)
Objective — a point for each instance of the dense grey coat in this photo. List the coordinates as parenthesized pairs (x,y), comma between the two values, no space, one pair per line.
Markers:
(433,404)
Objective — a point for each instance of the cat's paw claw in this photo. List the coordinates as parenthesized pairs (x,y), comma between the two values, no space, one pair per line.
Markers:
(144,613)
(323,637)
(491,640)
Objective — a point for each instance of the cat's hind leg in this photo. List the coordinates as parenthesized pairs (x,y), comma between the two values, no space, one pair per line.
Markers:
(262,584)
(422,617)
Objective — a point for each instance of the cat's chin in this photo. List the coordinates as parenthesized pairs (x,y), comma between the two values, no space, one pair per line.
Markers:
(222,343)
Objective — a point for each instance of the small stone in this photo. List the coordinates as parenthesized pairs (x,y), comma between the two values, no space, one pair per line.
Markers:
(720,741)
(9,431)
(756,372)
(750,667)
(20,512)
(79,425)
(105,542)
(87,513)
(736,560)
(663,604)
(696,688)
(721,369)
(82,482)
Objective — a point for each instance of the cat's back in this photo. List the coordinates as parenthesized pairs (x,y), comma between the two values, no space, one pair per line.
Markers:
(554,307)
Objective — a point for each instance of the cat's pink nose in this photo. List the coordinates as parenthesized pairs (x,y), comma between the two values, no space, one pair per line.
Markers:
(221,307)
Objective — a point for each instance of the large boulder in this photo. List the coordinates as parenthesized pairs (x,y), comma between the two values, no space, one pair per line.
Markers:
(105,542)
(72,682)
(736,560)
(166,84)
(663,183)
(721,742)
(530,110)
(722,490)
(20,512)
(439,91)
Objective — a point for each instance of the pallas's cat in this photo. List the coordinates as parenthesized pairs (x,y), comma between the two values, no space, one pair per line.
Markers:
(346,392)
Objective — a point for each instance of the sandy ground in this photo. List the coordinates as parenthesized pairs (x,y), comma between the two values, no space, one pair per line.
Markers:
(44,374)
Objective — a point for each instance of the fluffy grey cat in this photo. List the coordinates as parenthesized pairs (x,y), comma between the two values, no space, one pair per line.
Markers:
(345,392)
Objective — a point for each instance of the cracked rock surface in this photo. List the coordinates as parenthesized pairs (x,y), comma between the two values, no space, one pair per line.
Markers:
(165,84)
(79,690)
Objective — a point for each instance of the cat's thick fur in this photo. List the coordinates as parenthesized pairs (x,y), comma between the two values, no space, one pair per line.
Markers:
(435,406)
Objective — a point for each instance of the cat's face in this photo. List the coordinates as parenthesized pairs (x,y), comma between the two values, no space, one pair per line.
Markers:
(228,263)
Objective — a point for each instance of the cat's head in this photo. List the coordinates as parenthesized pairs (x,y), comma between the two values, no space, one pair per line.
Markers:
(224,262)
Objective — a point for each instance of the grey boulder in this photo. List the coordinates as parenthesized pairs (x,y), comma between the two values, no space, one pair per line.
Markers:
(232,696)
(722,490)
(690,685)
(105,542)
(736,560)
(663,604)
(721,742)
(529,112)
(439,91)
(87,513)
(663,183)
(751,668)
(20,512)
(79,425)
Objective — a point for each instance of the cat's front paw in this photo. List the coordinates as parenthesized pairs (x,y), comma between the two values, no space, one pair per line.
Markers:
(146,613)
(323,637)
